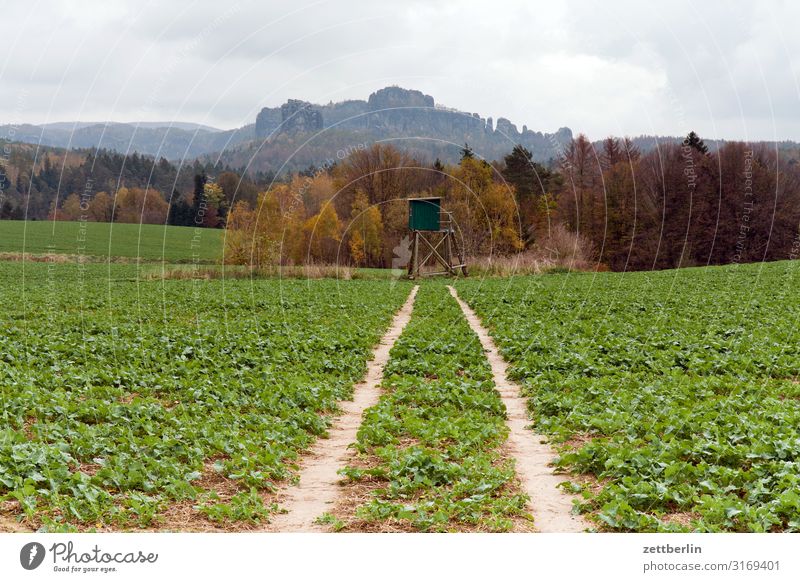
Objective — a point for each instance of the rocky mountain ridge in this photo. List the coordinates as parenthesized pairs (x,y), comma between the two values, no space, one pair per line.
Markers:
(299,134)
(394,112)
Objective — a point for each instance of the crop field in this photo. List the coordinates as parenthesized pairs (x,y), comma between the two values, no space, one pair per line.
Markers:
(672,398)
(148,242)
(431,450)
(129,404)
(675,396)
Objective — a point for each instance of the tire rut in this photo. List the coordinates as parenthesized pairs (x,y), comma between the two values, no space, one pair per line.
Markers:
(317,489)
(550,507)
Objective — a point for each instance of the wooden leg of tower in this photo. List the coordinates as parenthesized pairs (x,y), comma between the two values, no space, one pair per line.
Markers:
(449,251)
(460,256)
(414,264)
(411,260)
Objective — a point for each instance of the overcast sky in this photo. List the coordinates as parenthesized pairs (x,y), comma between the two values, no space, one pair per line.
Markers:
(725,69)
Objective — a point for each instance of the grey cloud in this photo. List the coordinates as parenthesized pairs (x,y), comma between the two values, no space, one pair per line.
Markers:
(727,69)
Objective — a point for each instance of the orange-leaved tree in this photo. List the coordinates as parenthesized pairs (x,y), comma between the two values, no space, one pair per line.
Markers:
(101,207)
(270,234)
(485,210)
(366,232)
(323,235)
(137,205)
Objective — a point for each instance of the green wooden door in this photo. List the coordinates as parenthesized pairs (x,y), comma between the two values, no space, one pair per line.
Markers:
(423,214)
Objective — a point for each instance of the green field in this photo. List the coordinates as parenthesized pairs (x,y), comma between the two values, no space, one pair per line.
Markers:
(432,447)
(122,400)
(148,242)
(672,397)
(676,395)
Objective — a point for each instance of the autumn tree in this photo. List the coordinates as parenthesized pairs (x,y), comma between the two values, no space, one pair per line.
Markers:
(101,208)
(236,188)
(485,210)
(631,152)
(262,236)
(213,206)
(615,236)
(270,226)
(138,205)
(382,172)
(71,209)
(315,190)
(240,236)
(612,152)
(387,176)
(323,235)
(502,218)
(366,232)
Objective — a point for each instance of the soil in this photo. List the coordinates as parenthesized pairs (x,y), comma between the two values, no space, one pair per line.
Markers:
(550,506)
(317,489)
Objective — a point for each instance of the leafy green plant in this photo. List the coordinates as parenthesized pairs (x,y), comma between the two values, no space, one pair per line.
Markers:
(118,395)
(435,438)
(676,391)
(245,506)
(331,520)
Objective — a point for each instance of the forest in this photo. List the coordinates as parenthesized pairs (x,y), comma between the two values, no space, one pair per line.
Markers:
(609,206)
(41,183)
(602,205)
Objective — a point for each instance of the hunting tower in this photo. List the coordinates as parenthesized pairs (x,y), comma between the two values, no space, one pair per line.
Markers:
(432,228)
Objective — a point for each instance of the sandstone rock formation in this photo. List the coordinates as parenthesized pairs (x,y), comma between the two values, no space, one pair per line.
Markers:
(394,112)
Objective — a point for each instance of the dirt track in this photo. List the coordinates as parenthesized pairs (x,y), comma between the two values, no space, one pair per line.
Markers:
(317,490)
(550,507)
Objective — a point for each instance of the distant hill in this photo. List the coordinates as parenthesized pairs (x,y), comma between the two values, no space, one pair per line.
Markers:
(299,134)
(183,140)
(73,125)
(645,143)
(409,117)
